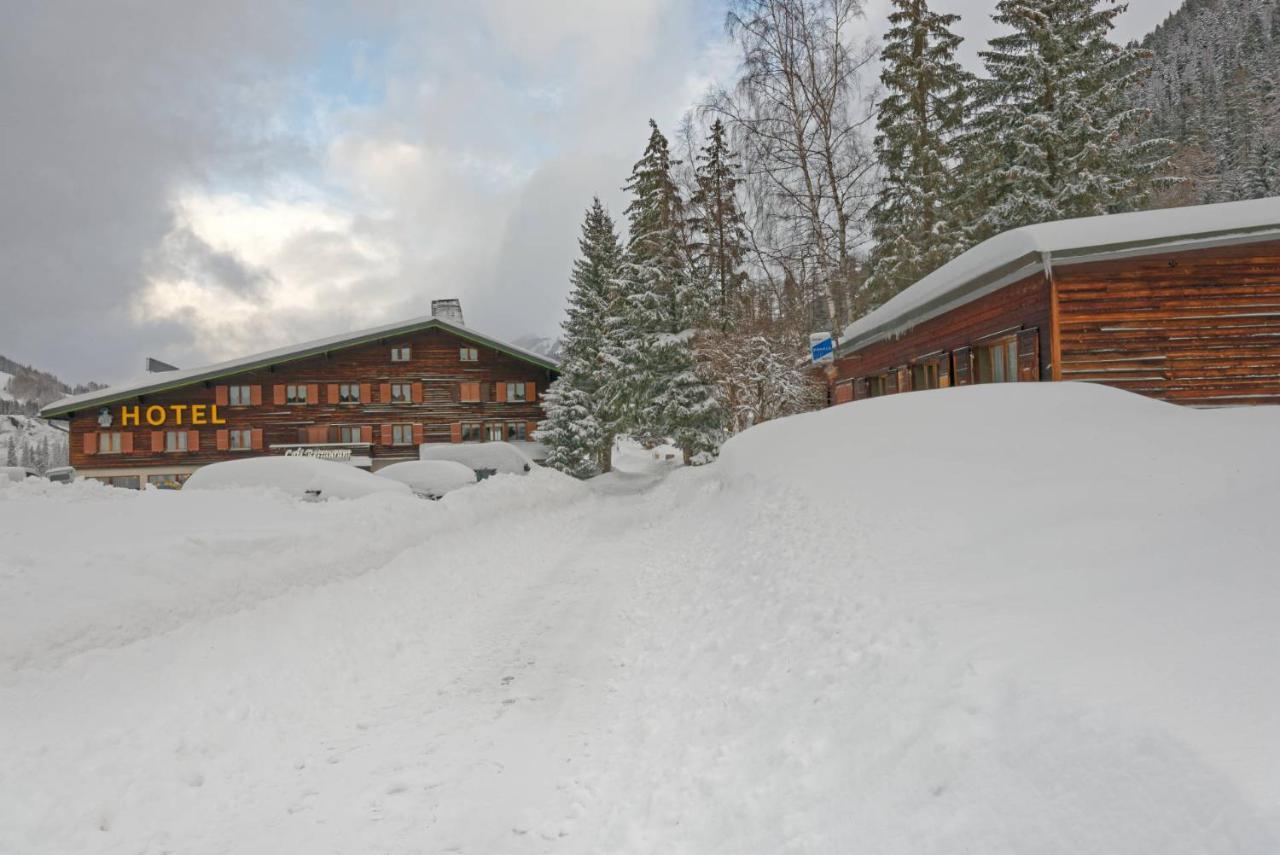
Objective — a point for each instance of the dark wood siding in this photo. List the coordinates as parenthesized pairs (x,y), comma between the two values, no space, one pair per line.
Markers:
(434,363)
(1021,305)
(1199,327)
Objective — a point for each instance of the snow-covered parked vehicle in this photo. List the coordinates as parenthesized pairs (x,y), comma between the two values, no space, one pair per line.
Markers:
(430,478)
(304,477)
(483,458)
(17,473)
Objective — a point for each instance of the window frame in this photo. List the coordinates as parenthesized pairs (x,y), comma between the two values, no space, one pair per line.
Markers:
(401,353)
(235,434)
(407,393)
(296,394)
(402,434)
(521,432)
(523,398)
(353,434)
(243,393)
(468,354)
(491,427)
(929,369)
(472,431)
(348,393)
(175,442)
(877,386)
(1007,360)
(112,439)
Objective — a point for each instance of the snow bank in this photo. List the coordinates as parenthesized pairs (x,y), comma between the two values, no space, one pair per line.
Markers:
(432,478)
(1033,618)
(301,477)
(14,473)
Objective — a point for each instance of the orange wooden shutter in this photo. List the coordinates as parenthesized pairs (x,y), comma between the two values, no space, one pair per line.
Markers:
(222,440)
(193,440)
(417,393)
(500,391)
(531,391)
(90,442)
(366,433)
(386,434)
(126,443)
(255,395)
(278,392)
(384,393)
(417,434)
(255,438)
(366,393)
(530,428)
(313,393)
(317,434)
(220,395)
(157,440)
(844,392)
(333,393)
(455,432)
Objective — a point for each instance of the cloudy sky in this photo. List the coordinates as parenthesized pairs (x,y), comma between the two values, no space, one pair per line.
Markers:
(196,180)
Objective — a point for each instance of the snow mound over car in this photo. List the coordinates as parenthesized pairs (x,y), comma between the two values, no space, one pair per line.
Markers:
(485,458)
(431,478)
(302,477)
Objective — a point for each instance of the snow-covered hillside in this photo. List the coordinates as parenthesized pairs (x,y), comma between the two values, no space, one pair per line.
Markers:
(35,443)
(1030,618)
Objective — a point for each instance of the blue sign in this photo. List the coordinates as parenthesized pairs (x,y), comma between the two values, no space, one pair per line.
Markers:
(821,350)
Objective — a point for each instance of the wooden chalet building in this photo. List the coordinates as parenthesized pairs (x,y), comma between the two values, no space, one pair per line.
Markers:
(368,398)
(1181,304)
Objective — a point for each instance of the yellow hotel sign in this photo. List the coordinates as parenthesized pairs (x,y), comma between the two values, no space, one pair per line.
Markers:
(176,414)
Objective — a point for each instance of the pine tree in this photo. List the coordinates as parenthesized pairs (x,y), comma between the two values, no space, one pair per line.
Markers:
(572,435)
(719,232)
(1053,123)
(577,395)
(654,384)
(919,119)
(11,454)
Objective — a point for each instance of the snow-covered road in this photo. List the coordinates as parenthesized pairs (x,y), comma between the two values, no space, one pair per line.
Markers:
(839,638)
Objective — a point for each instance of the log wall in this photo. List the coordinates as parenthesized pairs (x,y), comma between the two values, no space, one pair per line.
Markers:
(1199,327)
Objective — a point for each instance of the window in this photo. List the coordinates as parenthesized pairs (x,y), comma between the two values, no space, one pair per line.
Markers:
(349,433)
(998,363)
(494,432)
(128,482)
(295,394)
(175,440)
(241,440)
(348,393)
(468,354)
(239,396)
(402,434)
(516,431)
(472,432)
(875,386)
(401,393)
(924,376)
(400,354)
(109,443)
(166,482)
(469,392)
(515,392)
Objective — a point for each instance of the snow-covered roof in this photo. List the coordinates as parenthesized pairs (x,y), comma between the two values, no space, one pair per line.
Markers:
(1014,254)
(166,380)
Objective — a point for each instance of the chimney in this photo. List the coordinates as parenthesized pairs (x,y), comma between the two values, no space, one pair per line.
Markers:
(449,311)
(154,365)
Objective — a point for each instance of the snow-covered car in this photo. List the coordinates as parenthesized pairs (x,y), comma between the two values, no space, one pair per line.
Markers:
(304,477)
(61,474)
(17,473)
(483,458)
(430,478)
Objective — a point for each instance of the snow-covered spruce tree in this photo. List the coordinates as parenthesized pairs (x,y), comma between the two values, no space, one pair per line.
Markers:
(585,366)
(1054,135)
(718,229)
(913,220)
(654,383)
(570,432)
(11,454)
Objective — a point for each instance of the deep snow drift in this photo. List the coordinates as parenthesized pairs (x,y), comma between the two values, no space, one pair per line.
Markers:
(995,619)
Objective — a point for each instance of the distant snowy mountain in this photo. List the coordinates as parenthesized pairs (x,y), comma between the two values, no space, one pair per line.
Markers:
(26,440)
(549,347)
